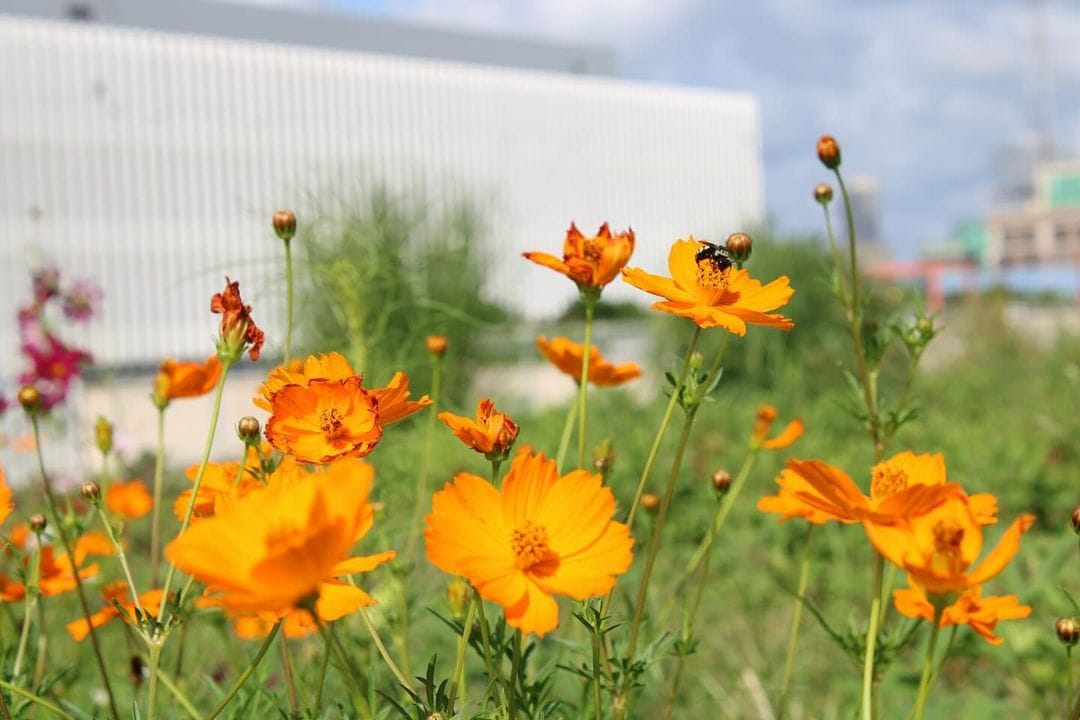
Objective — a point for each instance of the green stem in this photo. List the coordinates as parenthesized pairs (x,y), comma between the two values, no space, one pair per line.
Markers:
(425,463)
(796,620)
(215,413)
(515,670)
(495,464)
(564,439)
(32,599)
(151,693)
(69,548)
(485,641)
(871,640)
(288,301)
(5,713)
(459,661)
(382,649)
(583,385)
(119,550)
(290,680)
(835,253)
(1068,669)
(247,671)
(159,481)
(36,699)
(723,509)
(176,692)
(596,642)
(928,667)
(322,670)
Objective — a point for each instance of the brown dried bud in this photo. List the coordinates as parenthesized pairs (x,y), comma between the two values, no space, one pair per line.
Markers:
(90,491)
(285,224)
(1076,519)
(30,398)
(739,246)
(103,435)
(828,151)
(650,502)
(1068,631)
(823,193)
(37,523)
(436,344)
(248,429)
(721,481)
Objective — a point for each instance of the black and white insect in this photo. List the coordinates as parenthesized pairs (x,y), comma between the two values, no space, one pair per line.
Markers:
(714,254)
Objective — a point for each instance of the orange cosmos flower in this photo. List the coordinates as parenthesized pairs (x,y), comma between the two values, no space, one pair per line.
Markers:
(766,416)
(115,593)
(238,331)
(540,535)
(590,262)
(57,573)
(492,433)
(937,548)
(6,503)
(566,355)
(272,550)
(713,294)
(981,613)
(221,483)
(128,500)
(185,379)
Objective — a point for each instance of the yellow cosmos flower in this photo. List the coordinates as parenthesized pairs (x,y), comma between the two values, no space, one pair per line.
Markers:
(540,535)
(129,500)
(566,355)
(982,614)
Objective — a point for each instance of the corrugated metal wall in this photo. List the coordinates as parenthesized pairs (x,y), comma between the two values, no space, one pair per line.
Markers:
(152,162)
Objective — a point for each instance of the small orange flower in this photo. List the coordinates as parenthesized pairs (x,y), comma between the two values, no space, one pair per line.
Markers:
(115,592)
(128,500)
(185,379)
(981,613)
(566,355)
(540,535)
(272,550)
(492,433)
(711,294)
(238,331)
(766,416)
(221,483)
(57,574)
(6,504)
(590,262)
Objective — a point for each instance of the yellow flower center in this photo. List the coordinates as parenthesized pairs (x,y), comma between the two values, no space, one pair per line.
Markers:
(712,276)
(593,250)
(946,553)
(886,480)
(331,422)
(530,544)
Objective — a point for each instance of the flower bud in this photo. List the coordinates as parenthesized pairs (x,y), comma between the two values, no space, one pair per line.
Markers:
(1076,519)
(103,435)
(739,246)
(1068,631)
(37,523)
(650,502)
(604,457)
(823,193)
(30,399)
(696,361)
(285,224)
(828,152)
(248,430)
(436,344)
(458,596)
(721,481)
(90,491)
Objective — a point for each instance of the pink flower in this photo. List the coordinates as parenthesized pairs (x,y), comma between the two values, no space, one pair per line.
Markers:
(46,284)
(82,301)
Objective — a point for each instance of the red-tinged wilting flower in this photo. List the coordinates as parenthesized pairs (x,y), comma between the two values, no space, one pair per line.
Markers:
(970,608)
(538,536)
(713,293)
(270,551)
(238,331)
(177,379)
(566,355)
(903,486)
(129,500)
(222,484)
(591,262)
(46,284)
(492,433)
(81,301)
(937,548)
(766,416)
(115,593)
(57,574)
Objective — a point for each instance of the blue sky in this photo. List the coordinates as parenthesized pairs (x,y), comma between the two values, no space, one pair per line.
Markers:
(921,93)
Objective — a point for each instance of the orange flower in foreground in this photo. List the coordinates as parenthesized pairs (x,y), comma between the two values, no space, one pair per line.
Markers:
(566,355)
(492,433)
(766,416)
(273,549)
(540,535)
(938,547)
(981,613)
(115,592)
(177,379)
(711,293)
(128,500)
(590,262)
(238,331)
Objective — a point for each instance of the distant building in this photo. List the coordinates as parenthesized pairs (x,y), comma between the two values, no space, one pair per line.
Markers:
(1044,229)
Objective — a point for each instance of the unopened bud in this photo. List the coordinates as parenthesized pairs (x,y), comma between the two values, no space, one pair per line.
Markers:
(721,481)
(436,344)
(1076,519)
(739,246)
(1068,631)
(458,596)
(823,193)
(828,151)
(103,435)
(650,502)
(30,399)
(435,716)
(248,430)
(696,361)
(90,491)
(285,224)
(37,523)
(604,457)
